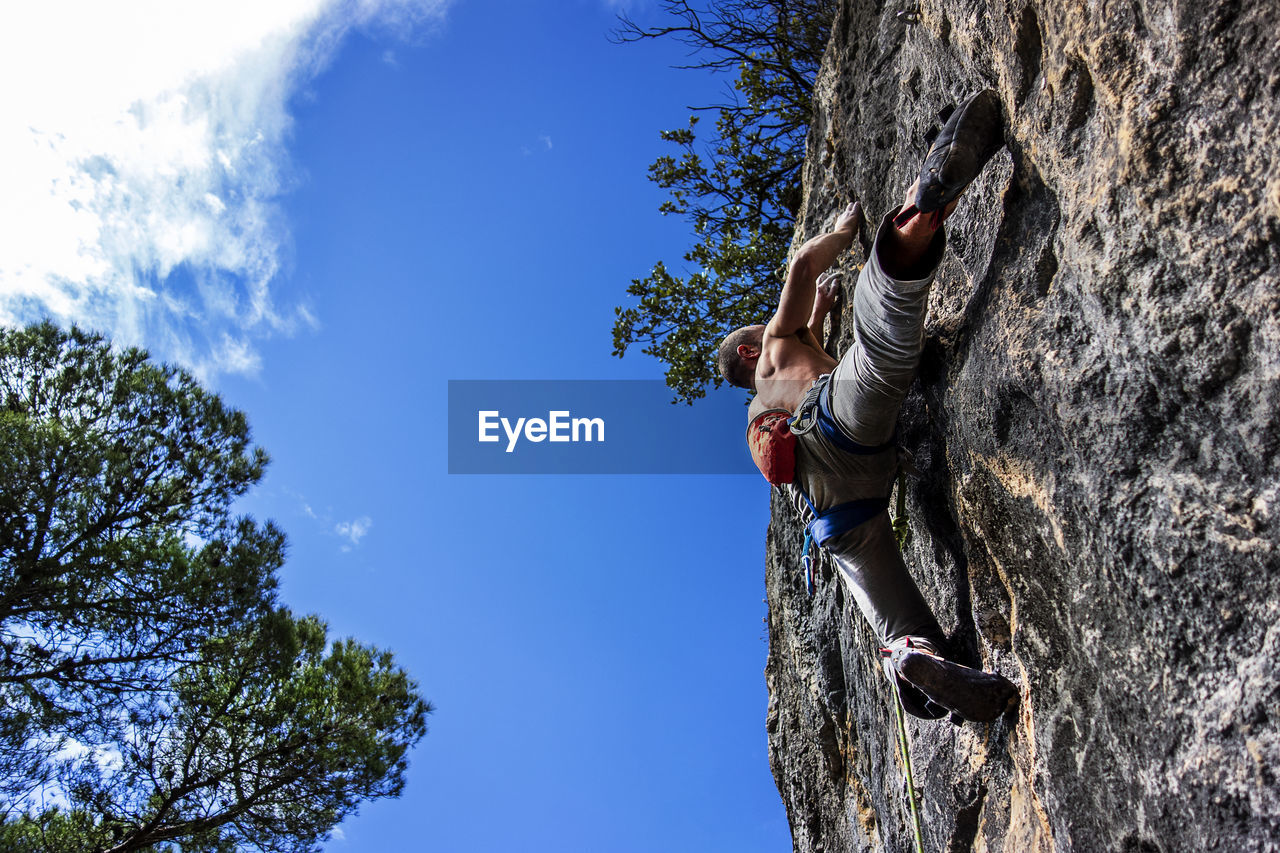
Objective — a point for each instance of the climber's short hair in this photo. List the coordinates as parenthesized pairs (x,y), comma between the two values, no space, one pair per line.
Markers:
(730,363)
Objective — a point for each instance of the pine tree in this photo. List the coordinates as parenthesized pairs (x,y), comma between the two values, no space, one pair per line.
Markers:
(150,682)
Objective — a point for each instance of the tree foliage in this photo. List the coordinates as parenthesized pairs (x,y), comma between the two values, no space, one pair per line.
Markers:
(740,188)
(153,692)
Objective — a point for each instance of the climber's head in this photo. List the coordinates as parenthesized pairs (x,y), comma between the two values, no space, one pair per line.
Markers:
(738,354)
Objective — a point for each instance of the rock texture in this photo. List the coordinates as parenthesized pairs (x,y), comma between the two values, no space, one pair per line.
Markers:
(1096,428)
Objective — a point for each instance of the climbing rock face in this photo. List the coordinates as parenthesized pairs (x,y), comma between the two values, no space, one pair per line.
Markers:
(1097,430)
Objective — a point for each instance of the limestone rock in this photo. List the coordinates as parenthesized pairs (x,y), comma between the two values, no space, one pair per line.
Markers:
(1095,424)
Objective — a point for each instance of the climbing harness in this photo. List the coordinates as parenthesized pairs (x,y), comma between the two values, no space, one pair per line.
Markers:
(831,523)
(815,412)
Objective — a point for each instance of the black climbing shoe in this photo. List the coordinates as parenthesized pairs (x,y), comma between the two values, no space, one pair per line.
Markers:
(974,132)
(971,693)
(916,703)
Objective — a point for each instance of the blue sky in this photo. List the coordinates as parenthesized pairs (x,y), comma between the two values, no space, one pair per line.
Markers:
(330,211)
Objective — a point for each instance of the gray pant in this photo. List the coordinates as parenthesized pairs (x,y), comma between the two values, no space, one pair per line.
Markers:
(873,377)
(867,390)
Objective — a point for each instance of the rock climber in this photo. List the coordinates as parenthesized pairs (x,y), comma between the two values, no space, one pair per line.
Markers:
(826,429)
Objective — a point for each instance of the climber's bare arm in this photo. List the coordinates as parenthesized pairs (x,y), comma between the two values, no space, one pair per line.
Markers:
(798,303)
(828,290)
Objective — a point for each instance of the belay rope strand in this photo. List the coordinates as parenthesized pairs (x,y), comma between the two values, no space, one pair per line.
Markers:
(902,532)
(912,796)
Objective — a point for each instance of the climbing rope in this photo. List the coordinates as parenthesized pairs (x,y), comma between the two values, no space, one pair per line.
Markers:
(902,532)
(912,795)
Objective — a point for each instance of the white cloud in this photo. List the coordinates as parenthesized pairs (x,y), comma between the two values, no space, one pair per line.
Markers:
(544,144)
(142,157)
(354,530)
